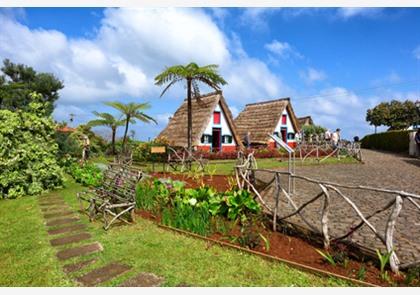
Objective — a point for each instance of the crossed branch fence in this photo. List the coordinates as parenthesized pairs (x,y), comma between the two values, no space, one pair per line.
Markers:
(328,195)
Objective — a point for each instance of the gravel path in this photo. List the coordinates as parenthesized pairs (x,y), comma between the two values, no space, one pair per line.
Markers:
(380,169)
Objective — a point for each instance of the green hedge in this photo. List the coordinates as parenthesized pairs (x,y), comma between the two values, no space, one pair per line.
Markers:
(28,163)
(394,141)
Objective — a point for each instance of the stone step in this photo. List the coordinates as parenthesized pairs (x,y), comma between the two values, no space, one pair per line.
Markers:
(103,274)
(68,268)
(65,229)
(143,279)
(62,221)
(51,202)
(58,214)
(79,251)
(54,209)
(70,239)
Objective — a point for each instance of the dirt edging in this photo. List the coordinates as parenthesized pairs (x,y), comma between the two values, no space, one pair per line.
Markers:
(269,257)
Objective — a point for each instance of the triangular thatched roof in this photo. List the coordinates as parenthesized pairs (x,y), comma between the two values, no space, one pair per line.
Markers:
(307,120)
(202,112)
(261,118)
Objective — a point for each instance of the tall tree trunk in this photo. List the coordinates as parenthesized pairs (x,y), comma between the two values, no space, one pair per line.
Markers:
(125,133)
(114,131)
(189,116)
(375,129)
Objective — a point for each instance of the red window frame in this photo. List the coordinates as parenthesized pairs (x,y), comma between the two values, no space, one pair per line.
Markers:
(284,119)
(216,118)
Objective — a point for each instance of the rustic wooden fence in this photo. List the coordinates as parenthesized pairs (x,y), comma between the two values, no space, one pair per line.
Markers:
(321,151)
(245,175)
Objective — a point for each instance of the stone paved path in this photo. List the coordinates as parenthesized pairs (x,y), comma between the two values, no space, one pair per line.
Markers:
(61,220)
(382,170)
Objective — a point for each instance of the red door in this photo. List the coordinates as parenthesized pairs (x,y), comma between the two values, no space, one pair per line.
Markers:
(283,134)
(216,143)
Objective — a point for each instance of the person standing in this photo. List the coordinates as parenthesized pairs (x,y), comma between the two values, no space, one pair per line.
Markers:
(86,148)
(335,138)
(247,139)
(327,135)
(417,140)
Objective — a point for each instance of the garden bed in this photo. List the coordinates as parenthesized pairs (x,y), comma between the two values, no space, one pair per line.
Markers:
(219,182)
(296,251)
(293,249)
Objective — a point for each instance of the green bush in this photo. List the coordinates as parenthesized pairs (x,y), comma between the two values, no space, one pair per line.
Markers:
(394,141)
(87,174)
(194,209)
(28,152)
(142,151)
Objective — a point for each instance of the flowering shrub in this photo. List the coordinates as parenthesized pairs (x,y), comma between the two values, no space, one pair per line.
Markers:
(259,153)
(28,152)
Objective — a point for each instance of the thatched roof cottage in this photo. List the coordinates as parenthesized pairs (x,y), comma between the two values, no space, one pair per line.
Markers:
(268,117)
(213,128)
(305,121)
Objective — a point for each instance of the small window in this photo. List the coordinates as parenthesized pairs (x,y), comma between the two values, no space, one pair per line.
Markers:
(206,138)
(290,135)
(284,119)
(216,117)
(226,139)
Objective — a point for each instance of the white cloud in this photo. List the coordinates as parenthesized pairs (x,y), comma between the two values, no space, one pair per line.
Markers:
(391,78)
(312,75)
(282,49)
(120,60)
(131,47)
(349,12)
(163,119)
(416,52)
(256,18)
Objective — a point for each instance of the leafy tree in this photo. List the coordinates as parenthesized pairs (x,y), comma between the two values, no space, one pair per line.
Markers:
(378,115)
(192,74)
(28,151)
(19,81)
(395,114)
(310,130)
(106,119)
(132,111)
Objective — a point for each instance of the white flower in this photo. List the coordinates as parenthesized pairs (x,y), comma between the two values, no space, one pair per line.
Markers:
(192,201)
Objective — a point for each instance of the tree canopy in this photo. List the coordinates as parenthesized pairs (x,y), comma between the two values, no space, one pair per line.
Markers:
(18,81)
(192,74)
(131,111)
(395,114)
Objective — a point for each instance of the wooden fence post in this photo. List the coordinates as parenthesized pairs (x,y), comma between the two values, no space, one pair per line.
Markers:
(389,233)
(277,202)
(324,218)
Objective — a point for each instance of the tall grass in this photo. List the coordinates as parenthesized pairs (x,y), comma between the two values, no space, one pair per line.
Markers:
(182,216)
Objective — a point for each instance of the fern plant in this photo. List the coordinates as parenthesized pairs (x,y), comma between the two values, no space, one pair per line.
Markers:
(383,261)
(327,257)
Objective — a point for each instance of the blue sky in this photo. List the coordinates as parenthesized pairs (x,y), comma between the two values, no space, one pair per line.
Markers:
(334,63)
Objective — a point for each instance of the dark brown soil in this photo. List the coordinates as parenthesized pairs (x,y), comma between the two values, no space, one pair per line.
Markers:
(103,274)
(79,251)
(218,182)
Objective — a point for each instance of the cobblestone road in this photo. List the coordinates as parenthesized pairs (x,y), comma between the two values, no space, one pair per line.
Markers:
(382,170)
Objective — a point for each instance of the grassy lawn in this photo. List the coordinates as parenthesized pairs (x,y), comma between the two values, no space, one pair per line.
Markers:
(226,167)
(27,259)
